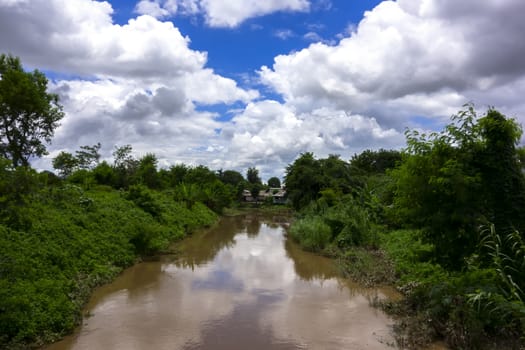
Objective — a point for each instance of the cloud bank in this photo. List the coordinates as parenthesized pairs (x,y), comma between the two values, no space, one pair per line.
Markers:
(406,64)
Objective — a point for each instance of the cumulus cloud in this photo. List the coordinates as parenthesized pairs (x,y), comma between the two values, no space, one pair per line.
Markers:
(136,83)
(79,37)
(421,56)
(269,133)
(152,8)
(219,13)
(406,63)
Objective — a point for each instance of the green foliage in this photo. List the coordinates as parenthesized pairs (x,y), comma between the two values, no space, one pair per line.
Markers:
(452,182)
(199,174)
(375,162)
(29,114)
(146,172)
(307,177)
(411,256)
(351,224)
(252,175)
(125,166)
(16,188)
(347,221)
(505,303)
(104,174)
(235,180)
(144,199)
(85,159)
(88,156)
(65,163)
(274,182)
(176,174)
(77,240)
(312,233)
(501,171)
(215,195)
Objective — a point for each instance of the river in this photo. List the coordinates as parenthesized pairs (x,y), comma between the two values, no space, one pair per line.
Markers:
(239,285)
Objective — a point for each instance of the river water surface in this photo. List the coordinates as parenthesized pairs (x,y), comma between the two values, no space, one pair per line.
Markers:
(239,285)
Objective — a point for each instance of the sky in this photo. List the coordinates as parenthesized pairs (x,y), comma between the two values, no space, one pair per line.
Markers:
(233,84)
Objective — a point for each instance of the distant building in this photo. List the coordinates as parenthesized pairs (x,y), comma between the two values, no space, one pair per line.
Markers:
(278,196)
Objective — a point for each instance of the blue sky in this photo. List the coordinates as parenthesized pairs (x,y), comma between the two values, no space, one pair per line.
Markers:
(242,50)
(242,83)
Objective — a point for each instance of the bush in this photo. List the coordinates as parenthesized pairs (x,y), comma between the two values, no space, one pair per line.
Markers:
(312,233)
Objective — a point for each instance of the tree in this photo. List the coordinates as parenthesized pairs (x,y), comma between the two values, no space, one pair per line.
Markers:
(88,156)
(125,165)
(123,158)
(65,163)
(376,162)
(335,174)
(303,180)
(231,177)
(274,182)
(200,175)
(104,174)
(450,183)
(176,174)
(502,174)
(29,114)
(235,180)
(147,171)
(252,175)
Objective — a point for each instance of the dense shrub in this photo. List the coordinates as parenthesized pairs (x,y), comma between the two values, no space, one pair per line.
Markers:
(312,233)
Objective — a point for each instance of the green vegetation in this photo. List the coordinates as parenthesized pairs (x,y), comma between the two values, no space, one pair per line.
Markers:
(29,114)
(442,220)
(58,242)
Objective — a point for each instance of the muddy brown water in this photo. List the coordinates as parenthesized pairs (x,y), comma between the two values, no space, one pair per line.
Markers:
(239,285)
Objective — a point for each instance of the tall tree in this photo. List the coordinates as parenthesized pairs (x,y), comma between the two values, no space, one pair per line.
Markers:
(125,165)
(274,182)
(231,177)
(147,171)
(376,162)
(88,156)
(303,180)
(29,114)
(65,163)
(252,175)
(502,174)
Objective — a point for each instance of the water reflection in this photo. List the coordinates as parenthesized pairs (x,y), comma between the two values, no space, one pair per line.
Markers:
(238,285)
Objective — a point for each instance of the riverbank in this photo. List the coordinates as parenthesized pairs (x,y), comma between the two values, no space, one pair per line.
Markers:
(396,261)
(66,241)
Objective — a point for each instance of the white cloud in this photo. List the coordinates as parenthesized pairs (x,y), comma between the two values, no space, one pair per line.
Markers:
(271,133)
(233,12)
(153,8)
(284,34)
(219,13)
(423,56)
(406,63)
(136,83)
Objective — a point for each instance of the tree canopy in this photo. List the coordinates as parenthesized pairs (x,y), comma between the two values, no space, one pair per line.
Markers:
(274,182)
(452,182)
(29,114)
